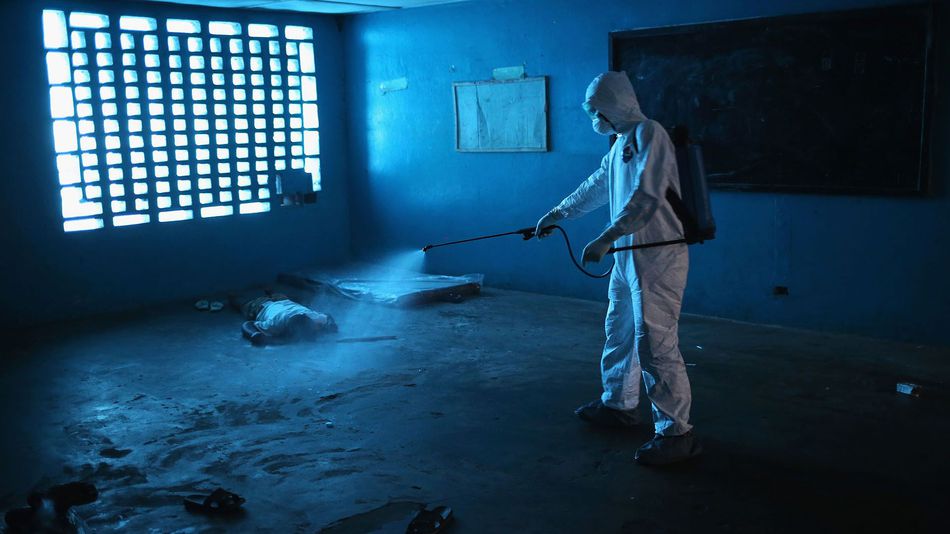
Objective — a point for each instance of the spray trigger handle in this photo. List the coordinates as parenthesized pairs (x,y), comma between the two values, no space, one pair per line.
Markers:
(526,233)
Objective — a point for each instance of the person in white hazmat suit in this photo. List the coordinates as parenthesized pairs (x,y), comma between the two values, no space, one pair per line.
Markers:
(646,286)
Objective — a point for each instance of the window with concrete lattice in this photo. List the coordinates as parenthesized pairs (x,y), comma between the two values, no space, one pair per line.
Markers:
(161,120)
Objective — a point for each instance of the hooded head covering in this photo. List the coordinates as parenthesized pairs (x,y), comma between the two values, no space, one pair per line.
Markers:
(611,94)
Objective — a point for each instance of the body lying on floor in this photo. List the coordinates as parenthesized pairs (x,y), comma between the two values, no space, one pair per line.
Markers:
(276,318)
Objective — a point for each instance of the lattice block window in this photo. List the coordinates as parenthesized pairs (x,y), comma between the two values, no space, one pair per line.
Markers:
(170,120)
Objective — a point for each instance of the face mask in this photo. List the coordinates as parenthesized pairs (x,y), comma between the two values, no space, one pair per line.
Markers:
(599,122)
(602,127)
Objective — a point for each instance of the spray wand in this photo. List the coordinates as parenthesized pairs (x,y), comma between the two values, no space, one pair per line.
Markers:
(528,233)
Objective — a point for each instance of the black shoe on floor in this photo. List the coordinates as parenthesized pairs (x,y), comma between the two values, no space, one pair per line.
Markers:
(597,414)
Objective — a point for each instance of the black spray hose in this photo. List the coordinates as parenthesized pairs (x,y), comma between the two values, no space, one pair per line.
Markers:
(528,233)
(570,251)
(580,267)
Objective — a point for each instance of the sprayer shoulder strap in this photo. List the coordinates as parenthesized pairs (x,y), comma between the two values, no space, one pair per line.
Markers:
(682,213)
(679,207)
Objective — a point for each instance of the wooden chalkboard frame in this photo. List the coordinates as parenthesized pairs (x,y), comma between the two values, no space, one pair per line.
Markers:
(923,185)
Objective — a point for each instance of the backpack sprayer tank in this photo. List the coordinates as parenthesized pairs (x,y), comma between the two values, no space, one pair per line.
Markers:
(699,225)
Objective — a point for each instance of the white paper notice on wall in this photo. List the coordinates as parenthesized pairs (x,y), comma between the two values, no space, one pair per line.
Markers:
(509,73)
(501,116)
(399,84)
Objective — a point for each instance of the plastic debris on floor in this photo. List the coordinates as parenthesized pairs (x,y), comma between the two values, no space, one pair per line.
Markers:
(908,388)
(52,511)
(395,517)
(391,287)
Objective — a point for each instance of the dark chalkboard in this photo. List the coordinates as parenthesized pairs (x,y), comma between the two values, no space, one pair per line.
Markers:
(826,103)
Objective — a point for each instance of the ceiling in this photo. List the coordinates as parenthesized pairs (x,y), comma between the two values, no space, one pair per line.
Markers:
(317,6)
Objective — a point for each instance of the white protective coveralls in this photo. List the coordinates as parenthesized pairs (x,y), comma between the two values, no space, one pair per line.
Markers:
(646,286)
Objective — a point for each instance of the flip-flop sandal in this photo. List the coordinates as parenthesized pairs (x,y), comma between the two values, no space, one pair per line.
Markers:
(215,306)
(202,305)
(431,521)
(220,502)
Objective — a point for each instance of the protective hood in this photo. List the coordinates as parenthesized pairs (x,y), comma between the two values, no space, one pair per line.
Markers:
(611,93)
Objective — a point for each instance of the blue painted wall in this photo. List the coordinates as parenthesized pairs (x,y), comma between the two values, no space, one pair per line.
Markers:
(50,275)
(867,265)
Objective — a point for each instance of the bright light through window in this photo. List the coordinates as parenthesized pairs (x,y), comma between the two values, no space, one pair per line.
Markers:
(193,124)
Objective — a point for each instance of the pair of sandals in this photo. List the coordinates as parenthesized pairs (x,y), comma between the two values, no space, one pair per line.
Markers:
(209,305)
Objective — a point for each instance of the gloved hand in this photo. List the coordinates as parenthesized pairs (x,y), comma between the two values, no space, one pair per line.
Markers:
(596,250)
(550,219)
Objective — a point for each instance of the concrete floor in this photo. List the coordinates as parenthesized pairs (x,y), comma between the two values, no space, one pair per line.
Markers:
(472,407)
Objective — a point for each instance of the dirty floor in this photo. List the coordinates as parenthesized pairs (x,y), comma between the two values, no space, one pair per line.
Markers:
(471,406)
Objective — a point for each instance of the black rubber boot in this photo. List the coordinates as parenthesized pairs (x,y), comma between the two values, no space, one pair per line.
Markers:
(664,450)
(597,414)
